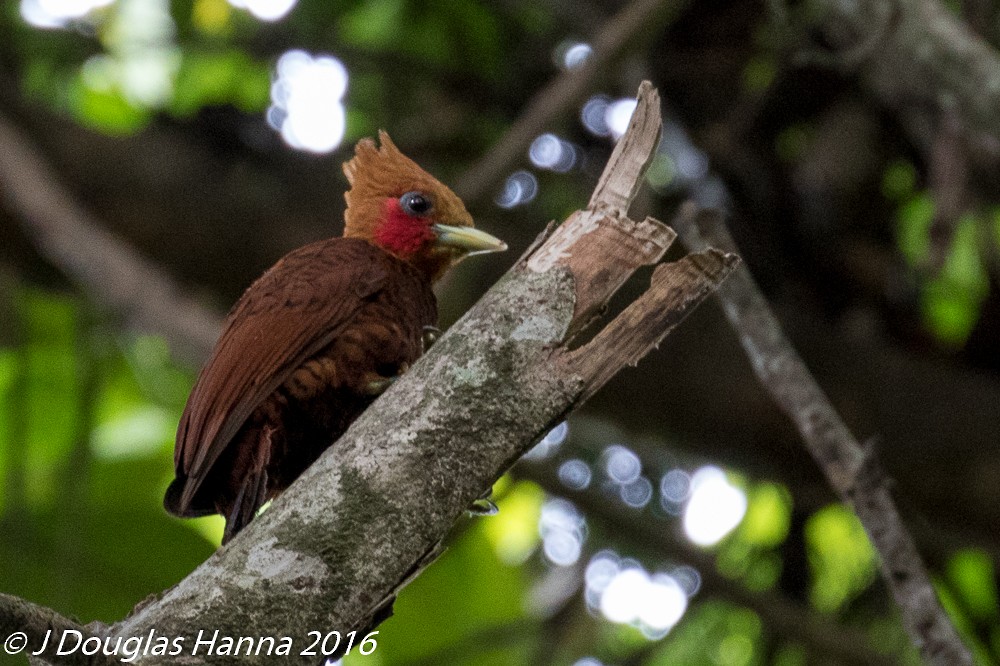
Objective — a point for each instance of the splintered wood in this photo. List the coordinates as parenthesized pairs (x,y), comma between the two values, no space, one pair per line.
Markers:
(602,247)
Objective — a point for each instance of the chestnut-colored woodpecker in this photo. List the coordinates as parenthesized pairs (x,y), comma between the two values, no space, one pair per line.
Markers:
(315,339)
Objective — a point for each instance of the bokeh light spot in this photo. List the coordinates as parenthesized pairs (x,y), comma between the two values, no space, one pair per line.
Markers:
(306,98)
(562,548)
(688,578)
(621,464)
(588,661)
(601,569)
(625,593)
(618,115)
(575,474)
(548,151)
(663,604)
(621,598)
(265,10)
(675,485)
(593,115)
(563,529)
(520,188)
(55,13)
(548,444)
(637,493)
(557,435)
(716,507)
(571,54)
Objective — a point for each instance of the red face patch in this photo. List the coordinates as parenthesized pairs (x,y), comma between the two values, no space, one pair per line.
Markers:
(401,233)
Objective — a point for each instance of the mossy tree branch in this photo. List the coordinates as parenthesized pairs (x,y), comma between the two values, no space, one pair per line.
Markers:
(337,547)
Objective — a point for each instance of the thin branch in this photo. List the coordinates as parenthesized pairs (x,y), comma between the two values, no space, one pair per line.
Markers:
(109,270)
(948,181)
(849,467)
(915,56)
(563,91)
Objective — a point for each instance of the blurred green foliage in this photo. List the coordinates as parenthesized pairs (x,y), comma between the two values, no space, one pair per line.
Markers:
(750,554)
(842,560)
(82,464)
(153,56)
(954,286)
(715,634)
(461,606)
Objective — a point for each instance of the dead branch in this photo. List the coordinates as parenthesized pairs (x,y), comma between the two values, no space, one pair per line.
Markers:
(849,467)
(106,268)
(917,57)
(564,90)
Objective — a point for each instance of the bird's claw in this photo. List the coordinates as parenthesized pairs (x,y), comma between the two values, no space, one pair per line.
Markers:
(430,336)
(484,505)
(377,383)
(378,386)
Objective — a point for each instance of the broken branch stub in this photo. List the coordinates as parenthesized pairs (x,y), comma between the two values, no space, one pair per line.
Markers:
(600,246)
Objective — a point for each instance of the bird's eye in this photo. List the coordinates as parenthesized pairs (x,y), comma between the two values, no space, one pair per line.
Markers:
(415,203)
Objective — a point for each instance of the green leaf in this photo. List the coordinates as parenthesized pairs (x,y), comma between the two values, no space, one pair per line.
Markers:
(229,77)
(952,299)
(759,72)
(913,227)
(374,24)
(106,110)
(791,654)
(769,508)
(51,392)
(963,624)
(972,575)
(475,30)
(43,80)
(212,17)
(792,141)
(840,555)
(713,633)
(513,532)
(899,180)
(763,572)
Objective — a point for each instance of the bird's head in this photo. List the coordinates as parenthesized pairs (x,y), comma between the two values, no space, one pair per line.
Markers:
(402,209)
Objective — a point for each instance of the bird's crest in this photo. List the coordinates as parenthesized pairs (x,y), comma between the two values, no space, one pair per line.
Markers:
(376,173)
(373,162)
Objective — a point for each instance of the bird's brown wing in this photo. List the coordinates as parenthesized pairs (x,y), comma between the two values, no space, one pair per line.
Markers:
(288,315)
